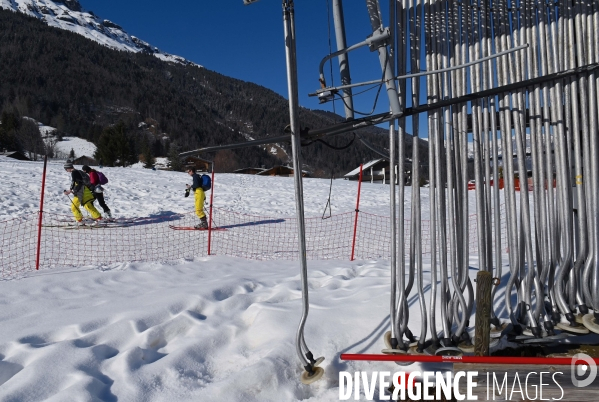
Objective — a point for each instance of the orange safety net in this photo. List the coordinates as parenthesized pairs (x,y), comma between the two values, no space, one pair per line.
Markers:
(235,234)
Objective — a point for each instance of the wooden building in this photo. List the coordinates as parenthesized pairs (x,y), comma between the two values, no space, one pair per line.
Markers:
(15,155)
(378,171)
(249,170)
(85,160)
(285,171)
(202,165)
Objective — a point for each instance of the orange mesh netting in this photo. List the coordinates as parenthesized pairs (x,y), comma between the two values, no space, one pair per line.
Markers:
(239,235)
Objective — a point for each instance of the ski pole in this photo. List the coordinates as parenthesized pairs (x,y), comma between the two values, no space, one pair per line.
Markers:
(72,202)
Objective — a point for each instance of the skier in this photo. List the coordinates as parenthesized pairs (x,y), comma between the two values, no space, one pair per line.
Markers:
(83,195)
(97,189)
(199,195)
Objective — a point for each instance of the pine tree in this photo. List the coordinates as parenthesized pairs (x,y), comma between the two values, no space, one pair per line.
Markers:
(175,162)
(8,132)
(114,148)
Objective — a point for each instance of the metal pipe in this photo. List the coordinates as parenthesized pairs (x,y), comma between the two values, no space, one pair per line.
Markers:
(344,72)
(290,55)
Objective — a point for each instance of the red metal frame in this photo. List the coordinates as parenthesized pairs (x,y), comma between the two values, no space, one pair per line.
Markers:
(562,361)
(353,246)
(39,224)
(210,213)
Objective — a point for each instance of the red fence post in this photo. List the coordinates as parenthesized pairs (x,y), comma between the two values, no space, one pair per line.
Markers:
(39,224)
(210,214)
(353,246)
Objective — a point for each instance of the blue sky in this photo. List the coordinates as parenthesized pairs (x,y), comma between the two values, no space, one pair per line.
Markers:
(246,42)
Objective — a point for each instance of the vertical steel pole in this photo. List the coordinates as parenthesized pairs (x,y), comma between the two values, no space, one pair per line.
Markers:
(353,246)
(210,218)
(39,225)
(343,58)
(377,25)
(290,55)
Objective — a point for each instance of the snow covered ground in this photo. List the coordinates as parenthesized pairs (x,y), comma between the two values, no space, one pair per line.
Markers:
(205,329)
(80,146)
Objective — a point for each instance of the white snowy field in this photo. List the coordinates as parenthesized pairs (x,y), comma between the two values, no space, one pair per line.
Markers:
(80,146)
(136,191)
(204,329)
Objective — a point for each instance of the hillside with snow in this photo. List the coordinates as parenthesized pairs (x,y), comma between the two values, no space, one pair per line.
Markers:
(70,16)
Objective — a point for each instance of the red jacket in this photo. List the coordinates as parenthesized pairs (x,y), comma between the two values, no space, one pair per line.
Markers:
(93,178)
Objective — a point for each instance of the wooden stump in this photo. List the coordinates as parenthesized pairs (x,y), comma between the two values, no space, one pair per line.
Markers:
(482,328)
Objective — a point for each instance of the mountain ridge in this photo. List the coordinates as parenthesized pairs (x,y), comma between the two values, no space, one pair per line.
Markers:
(70,16)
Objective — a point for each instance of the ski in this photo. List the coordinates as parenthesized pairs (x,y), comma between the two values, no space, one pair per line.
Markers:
(108,220)
(192,228)
(86,225)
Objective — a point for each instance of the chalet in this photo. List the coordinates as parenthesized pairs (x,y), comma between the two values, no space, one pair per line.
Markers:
(85,160)
(249,170)
(15,155)
(280,171)
(378,171)
(202,165)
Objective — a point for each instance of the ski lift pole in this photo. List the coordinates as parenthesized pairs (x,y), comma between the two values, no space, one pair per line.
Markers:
(312,372)
(353,245)
(39,225)
(210,213)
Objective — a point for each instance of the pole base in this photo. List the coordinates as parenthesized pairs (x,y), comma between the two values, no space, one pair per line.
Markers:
(577,329)
(591,323)
(449,351)
(308,379)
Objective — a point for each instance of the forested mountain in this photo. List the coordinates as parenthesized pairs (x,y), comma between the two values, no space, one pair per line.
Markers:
(82,88)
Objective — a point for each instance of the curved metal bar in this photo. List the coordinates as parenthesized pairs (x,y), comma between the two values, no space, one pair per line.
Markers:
(415,29)
(434,182)
(401,43)
(441,193)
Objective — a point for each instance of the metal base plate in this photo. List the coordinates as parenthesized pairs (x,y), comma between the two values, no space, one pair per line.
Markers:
(306,378)
(547,339)
(591,323)
(578,330)
(449,351)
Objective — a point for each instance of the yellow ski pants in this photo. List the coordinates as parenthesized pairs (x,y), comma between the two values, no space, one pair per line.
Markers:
(200,196)
(88,199)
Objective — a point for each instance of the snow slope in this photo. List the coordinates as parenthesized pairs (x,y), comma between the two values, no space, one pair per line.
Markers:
(69,15)
(80,146)
(204,329)
(134,191)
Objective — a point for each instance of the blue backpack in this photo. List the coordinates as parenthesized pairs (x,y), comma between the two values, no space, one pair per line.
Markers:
(206,182)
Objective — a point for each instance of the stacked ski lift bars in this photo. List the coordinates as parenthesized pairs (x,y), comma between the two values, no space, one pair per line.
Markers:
(524,76)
